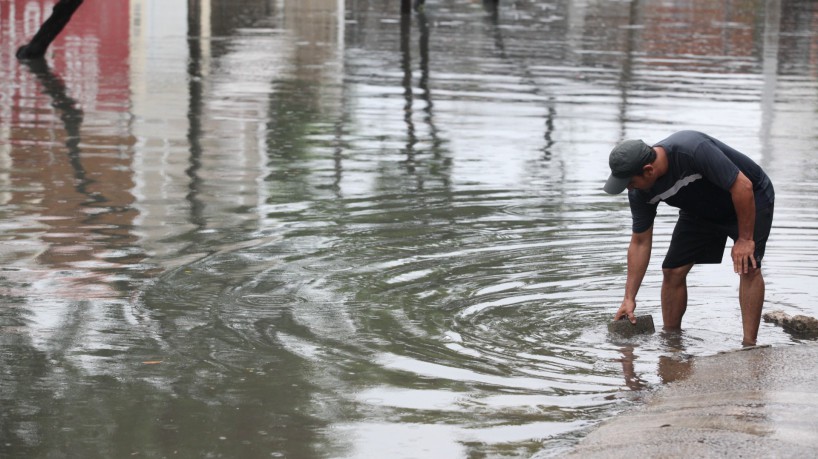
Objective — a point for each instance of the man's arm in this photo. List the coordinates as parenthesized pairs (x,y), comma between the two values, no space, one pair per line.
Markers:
(745,205)
(638,259)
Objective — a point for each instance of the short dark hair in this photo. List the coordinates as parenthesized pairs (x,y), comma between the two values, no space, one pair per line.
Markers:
(651,158)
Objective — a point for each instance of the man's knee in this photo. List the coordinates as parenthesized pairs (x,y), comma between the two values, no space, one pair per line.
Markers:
(676,275)
(751,275)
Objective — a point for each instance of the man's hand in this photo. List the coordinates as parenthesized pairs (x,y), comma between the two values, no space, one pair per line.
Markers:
(626,310)
(743,254)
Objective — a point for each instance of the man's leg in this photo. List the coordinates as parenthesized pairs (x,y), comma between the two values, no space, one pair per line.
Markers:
(694,241)
(674,296)
(751,299)
(60,15)
(751,285)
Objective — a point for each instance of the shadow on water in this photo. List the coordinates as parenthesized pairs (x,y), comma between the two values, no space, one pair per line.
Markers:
(323,232)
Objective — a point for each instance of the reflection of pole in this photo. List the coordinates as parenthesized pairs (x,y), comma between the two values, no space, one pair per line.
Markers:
(548,136)
(60,15)
(407,5)
(338,148)
(627,66)
(426,95)
(772,28)
(194,114)
(423,84)
(406,66)
(491,6)
(493,18)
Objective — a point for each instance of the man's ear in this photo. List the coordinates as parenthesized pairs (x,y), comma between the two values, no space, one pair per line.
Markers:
(648,170)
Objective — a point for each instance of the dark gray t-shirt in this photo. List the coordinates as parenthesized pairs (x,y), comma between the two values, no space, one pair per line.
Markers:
(701,171)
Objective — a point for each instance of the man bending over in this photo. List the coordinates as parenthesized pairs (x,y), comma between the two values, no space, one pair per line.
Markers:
(720,192)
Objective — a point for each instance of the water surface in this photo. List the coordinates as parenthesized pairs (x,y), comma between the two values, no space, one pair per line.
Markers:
(315,229)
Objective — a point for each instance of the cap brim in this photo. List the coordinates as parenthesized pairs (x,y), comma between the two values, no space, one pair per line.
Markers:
(616,185)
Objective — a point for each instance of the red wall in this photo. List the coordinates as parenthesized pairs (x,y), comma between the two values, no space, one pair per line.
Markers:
(91,53)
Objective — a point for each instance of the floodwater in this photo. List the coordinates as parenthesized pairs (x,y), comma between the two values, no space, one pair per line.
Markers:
(310,229)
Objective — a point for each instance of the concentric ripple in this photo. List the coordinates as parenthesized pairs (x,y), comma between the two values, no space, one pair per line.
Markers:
(483,310)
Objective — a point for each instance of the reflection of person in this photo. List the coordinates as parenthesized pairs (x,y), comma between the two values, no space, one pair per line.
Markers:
(70,113)
(674,367)
(632,380)
(720,192)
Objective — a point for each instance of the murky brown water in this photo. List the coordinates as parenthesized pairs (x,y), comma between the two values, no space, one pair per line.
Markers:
(271,229)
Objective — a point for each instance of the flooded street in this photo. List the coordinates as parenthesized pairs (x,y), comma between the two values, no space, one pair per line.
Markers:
(314,229)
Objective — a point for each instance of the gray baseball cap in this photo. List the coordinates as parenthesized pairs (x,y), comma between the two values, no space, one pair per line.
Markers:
(626,160)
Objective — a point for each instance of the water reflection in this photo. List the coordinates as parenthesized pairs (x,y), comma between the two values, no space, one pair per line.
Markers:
(70,114)
(323,229)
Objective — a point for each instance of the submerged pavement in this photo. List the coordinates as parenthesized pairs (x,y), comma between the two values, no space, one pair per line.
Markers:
(759,402)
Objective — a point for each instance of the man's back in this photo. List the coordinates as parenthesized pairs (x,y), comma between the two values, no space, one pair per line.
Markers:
(701,171)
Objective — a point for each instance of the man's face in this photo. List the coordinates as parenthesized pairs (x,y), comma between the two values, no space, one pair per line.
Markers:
(638,182)
(645,181)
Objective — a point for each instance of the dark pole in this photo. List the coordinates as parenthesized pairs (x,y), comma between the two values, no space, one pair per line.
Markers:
(52,27)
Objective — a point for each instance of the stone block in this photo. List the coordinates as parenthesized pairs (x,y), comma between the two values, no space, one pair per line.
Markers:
(623,327)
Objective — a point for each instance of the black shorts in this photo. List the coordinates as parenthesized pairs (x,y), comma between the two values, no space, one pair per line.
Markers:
(696,240)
